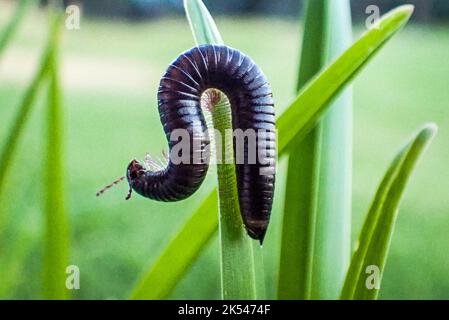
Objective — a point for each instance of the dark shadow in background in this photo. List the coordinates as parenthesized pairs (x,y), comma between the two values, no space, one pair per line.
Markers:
(426,10)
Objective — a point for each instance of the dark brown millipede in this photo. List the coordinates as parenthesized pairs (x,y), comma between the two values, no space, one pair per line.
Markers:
(179,96)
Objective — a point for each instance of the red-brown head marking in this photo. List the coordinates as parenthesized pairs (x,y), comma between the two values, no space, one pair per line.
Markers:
(134,171)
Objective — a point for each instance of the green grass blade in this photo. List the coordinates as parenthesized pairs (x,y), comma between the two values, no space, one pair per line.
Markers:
(259,272)
(312,101)
(316,227)
(333,220)
(377,231)
(12,25)
(298,227)
(56,236)
(203,27)
(180,253)
(366,233)
(157,283)
(237,262)
(23,113)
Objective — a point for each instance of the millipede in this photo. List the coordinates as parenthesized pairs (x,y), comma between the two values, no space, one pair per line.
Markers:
(179,102)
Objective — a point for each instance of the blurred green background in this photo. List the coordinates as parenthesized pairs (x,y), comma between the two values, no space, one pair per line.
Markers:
(111,71)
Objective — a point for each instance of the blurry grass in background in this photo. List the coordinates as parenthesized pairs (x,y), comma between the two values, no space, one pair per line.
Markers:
(109,119)
(11,26)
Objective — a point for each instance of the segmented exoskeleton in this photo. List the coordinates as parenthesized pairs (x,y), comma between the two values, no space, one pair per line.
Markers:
(179,97)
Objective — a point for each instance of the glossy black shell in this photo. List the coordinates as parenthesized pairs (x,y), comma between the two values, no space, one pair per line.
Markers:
(179,97)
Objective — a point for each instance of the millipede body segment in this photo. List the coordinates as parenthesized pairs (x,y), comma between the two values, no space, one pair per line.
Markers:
(179,97)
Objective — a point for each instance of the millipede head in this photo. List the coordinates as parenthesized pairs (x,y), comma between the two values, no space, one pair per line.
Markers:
(134,171)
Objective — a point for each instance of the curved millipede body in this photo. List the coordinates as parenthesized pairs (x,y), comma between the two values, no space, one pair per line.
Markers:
(179,98)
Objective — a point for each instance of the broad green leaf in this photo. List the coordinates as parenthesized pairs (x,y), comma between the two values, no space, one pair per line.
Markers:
(299,220)
(295,122)
(12,25)
(377,231)
(56,235)
(314,98)
(333,220)
(316,224)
